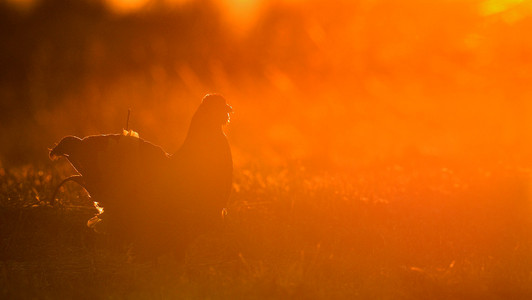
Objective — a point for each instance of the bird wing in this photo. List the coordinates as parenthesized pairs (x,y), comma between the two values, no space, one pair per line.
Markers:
(113,165)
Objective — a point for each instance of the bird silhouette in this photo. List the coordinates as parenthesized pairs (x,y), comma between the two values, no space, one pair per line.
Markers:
(152,199)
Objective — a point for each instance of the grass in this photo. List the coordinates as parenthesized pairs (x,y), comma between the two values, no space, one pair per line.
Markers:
(411,229)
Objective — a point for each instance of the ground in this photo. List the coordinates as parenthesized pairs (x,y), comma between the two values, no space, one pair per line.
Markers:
(404,229)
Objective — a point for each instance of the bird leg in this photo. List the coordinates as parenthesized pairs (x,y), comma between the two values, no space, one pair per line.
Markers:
(76,178)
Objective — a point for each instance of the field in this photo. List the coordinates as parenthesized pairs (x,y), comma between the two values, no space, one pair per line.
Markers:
(418,229)
(381,149)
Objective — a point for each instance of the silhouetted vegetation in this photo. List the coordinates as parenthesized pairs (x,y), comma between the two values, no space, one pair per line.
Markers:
(398,231)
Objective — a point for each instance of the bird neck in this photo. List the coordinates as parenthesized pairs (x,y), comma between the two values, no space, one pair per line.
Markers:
(203,136)
(202,127)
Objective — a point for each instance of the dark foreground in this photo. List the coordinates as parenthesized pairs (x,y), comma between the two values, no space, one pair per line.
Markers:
(423,230)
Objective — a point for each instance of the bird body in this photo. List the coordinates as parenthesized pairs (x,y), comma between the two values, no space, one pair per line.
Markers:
(108,163)
(149,195)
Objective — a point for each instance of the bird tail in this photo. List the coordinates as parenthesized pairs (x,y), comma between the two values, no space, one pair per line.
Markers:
(66,146)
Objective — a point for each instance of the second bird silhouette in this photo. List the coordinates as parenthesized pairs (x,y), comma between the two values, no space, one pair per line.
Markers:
(156,201)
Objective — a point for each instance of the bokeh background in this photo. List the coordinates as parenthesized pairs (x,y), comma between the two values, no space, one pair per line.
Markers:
(323,83)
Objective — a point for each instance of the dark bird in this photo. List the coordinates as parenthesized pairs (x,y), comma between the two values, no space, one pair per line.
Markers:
(155,200)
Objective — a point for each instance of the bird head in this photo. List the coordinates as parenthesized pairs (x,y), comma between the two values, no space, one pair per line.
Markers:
(67,146)
(214,109)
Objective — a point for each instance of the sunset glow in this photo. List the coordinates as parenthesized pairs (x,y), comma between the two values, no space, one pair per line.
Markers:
(125,6)
(490,7)
(241,14)
(392,82)
(376,149)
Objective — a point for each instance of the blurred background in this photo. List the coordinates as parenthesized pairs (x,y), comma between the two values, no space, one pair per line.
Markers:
(322,83)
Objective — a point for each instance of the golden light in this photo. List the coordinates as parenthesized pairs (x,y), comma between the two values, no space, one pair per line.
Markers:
(395,135)
(177,2)
(126,6)
(491,7)
(241,14)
